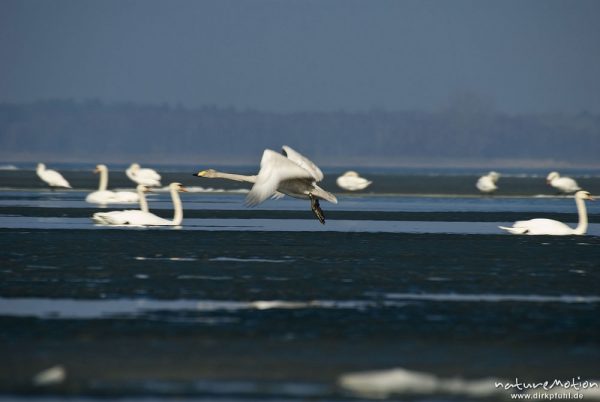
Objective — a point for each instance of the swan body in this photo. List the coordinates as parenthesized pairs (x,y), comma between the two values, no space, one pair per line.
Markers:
(51,177)
(141,217)
(487,183)
(542,226)
(289,173)
(147,177)
(562,184)
(351,181)
(104,196)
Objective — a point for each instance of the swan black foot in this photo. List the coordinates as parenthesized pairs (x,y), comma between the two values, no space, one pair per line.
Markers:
(316,208)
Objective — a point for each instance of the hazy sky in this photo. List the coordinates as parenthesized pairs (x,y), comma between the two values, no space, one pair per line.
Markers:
(522,55)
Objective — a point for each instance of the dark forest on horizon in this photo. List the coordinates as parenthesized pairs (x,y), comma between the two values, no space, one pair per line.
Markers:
(64,130)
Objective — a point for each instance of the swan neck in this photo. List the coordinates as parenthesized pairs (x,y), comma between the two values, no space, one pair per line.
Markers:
(143,202)
(103,185)
(236,177)
(178,216)
(583,218)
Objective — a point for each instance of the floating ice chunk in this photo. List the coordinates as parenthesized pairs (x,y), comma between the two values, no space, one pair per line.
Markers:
(399,381)
(52,376)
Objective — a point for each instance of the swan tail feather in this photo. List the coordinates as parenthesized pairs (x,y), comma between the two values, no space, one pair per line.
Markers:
(325,195)
(514,230)
(277,195)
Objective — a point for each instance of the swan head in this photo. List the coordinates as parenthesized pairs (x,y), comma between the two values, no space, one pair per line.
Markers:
(206,173)
(177,187)
(584,195)
(142,188)
(100,168)
(134,167)
(350,173)
(552,176)
(41,166)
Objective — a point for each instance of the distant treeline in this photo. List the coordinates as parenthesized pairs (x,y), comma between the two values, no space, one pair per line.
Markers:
(120,132)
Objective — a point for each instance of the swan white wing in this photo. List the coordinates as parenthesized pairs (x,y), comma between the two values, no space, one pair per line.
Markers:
(274,168)
(146,181)
(566,184)
(100,197)
(303,162)
(112,197)
(148,219)
(486,184)
(150,174)
(542,226)
(125,196)
(352,183)
(53,178)
(129,217)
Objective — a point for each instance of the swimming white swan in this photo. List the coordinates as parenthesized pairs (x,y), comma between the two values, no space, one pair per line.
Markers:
(144,218)
(120,216)
(51,177)
(552,227)
(487,184)
(104,196)
(351,181)
(288,173)
(145,176)
(563,184)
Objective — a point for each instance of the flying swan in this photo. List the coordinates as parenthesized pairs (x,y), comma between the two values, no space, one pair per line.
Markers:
(104,196)
(143,217)
(147,177)
(487,184)
(552,227)
(51,177)
(351,181)
(288,173)
(562,184)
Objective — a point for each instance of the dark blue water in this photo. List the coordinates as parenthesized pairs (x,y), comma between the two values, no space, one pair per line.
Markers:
(267,304)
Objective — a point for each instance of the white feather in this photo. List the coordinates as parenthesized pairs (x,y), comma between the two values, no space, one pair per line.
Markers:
(274,169)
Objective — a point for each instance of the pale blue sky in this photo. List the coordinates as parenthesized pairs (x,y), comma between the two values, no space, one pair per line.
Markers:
(524,56)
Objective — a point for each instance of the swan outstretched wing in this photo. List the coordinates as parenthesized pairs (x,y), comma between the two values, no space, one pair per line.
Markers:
(274,168)
(303,162)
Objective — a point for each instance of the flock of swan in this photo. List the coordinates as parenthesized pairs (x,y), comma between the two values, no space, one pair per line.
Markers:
(541,226)
(566,185)
(143,217)
(286,173)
